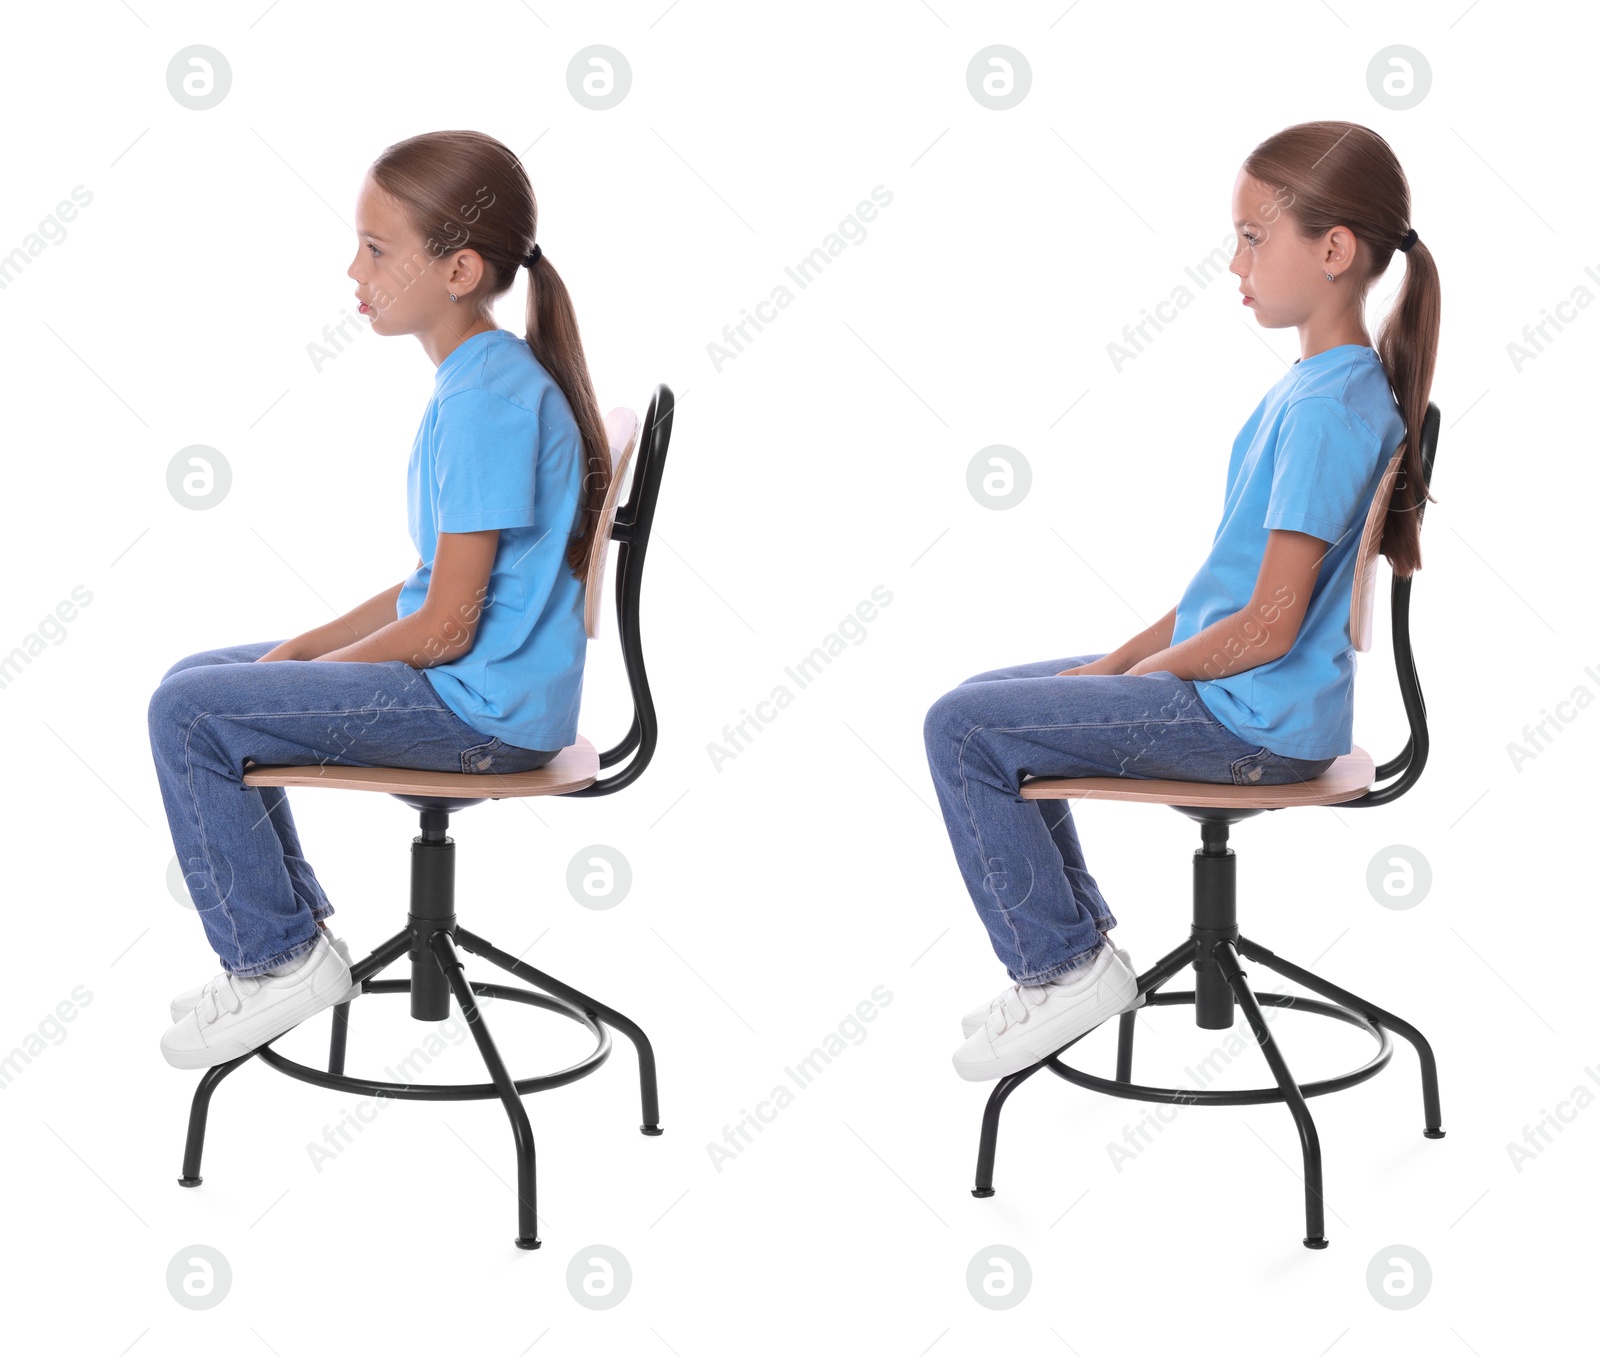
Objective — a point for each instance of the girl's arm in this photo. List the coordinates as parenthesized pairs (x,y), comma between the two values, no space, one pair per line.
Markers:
(445,626)
(1154,638)
(1263,630)
(360,622)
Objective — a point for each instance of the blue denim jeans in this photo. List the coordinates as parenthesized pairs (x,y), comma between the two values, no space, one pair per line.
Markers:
(1021,860)
(255,892)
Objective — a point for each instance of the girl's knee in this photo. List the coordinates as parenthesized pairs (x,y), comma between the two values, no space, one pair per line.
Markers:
(189,662)
(221,655)
(949,719)
(176,697)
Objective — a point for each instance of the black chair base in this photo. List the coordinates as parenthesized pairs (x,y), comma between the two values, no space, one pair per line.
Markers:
(430,938)
(1213,949)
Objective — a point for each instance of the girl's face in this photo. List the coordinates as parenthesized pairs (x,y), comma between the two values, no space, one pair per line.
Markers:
(1282,276)
(403,289)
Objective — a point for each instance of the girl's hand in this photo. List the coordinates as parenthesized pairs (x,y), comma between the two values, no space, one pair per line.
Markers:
(1101,666)
(283,651)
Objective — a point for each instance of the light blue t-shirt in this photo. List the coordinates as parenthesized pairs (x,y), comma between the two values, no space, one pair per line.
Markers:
(498,448)
(1309,459)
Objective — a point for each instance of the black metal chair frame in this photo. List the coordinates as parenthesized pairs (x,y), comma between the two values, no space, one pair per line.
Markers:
(1215,945)
(431,937)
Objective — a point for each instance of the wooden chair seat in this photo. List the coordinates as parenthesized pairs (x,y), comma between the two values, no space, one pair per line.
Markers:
(1348,777)
(576,766)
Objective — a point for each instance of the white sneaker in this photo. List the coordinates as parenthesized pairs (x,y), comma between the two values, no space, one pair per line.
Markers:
(236,1014)
(1029,1023)
(184,1003)
(980,1016)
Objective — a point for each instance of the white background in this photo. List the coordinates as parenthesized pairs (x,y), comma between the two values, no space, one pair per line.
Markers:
(772,896)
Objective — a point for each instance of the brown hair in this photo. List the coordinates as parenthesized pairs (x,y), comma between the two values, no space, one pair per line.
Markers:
(465,189)
(1342,174)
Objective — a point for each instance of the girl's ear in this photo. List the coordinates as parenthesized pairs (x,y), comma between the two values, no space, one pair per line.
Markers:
(463,271)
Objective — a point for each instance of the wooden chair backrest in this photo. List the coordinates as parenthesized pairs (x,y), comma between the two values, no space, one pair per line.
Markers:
(1366,582)
(622,435)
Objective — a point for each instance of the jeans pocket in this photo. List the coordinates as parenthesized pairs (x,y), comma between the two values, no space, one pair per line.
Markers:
(480,757)
(496,756)
(1261,767)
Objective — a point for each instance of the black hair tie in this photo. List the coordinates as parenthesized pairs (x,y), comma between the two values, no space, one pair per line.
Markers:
(532,257)
(1410,240)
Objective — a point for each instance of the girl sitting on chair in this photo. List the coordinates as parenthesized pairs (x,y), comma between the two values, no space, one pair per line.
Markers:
(472,664)
(1250,678)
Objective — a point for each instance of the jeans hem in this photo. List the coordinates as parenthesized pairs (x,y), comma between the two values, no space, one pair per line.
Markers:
(1071,964)
(287,955)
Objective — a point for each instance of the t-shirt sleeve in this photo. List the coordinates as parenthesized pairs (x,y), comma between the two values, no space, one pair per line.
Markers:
(486,447)
(1321,468)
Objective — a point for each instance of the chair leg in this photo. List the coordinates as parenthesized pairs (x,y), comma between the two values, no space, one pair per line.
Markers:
(196,1141)
(449,960)
(1317,985)
(647,1058)
(991,1127)
(363,970)
(338,1038)
(1180,956)
(1227,960)
(1125,1046)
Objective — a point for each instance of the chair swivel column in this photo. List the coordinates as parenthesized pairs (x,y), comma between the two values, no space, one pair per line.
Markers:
(1216,920)
(433,907)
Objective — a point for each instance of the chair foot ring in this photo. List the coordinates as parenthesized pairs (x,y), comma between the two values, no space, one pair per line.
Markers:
(190,1182)
(1318,1243)
(654,1129)
(1434,1134)
(983,1192)
(526,1243)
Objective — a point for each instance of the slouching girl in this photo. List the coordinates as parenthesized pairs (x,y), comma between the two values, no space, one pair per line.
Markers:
(1249,678)
(472,663)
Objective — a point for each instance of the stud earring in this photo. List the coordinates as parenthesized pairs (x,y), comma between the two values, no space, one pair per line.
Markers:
(1330,279)
(453,295)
